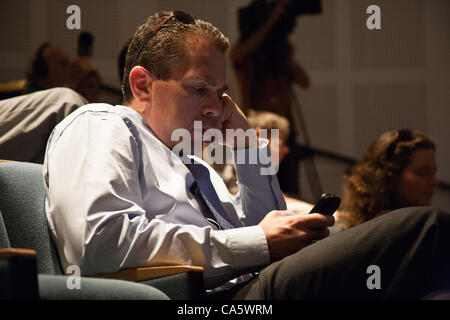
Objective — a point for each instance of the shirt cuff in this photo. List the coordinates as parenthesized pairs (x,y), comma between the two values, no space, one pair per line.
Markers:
(249,247)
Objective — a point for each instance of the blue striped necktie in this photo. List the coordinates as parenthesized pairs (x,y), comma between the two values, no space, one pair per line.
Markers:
(208,193)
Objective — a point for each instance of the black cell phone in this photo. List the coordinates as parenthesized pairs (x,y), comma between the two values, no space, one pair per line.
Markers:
(327,204)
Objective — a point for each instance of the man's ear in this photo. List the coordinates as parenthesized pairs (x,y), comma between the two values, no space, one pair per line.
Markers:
(140,84)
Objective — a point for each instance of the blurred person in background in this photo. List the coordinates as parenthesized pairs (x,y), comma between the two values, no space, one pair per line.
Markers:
(397,170)
(263,60)
(51,67)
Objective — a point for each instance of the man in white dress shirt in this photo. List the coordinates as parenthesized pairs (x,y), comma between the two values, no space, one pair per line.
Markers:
(26,122)
(119,197)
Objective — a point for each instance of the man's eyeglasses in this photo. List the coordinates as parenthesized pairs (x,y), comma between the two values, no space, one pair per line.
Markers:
(402,135)
(180,16)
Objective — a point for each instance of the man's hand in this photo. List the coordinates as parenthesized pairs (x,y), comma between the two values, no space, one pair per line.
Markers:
(233,118)
(286,233)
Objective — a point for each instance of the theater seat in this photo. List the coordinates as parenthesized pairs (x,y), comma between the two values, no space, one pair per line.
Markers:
(36,273)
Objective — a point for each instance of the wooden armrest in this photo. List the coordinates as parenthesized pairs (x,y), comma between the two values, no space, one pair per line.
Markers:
(147,273)
(13,85)
(8,253)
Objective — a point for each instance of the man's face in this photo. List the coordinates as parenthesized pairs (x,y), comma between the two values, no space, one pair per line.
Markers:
(418,179)
(192,94)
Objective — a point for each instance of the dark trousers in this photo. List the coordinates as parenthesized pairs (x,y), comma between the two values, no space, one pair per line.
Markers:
(410,246)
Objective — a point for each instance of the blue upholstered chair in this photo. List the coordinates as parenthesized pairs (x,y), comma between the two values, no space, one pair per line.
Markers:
(37,273)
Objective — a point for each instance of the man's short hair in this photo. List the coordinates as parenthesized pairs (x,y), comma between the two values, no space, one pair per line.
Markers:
(167,48)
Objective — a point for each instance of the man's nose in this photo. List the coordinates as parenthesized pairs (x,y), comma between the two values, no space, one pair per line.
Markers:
(213,105)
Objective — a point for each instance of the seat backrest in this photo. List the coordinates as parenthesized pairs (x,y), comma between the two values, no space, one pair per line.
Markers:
(22,205)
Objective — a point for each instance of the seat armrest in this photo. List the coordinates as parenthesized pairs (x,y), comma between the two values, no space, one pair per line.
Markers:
(148,273)
(18,274)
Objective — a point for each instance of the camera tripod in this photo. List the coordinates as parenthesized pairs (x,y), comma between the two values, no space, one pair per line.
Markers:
(305,150)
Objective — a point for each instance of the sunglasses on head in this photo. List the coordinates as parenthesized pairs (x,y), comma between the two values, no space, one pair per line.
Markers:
(402,135)
(179,16)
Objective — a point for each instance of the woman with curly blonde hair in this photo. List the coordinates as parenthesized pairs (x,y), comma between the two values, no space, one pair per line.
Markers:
(397,170)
